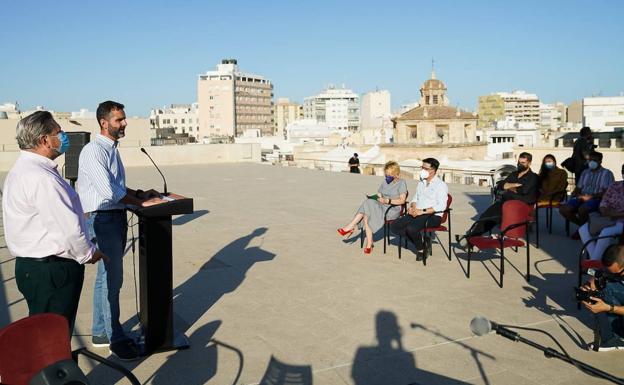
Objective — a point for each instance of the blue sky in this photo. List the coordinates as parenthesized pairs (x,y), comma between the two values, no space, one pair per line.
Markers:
(67,55)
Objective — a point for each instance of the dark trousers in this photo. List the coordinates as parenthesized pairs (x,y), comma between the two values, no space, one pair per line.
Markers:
(409,226)
(50,287)
(495,210)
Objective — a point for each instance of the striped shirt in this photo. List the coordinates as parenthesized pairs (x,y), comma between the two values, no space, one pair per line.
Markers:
(101,176)
(595,182)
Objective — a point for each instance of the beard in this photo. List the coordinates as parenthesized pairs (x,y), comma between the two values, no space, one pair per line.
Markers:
(117,133)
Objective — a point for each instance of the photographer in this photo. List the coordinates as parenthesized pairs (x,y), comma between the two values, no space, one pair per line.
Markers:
(610,308)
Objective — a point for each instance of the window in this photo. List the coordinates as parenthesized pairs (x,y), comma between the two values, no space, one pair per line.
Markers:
(435,99)
(182,121)
(414,133)
(175,121)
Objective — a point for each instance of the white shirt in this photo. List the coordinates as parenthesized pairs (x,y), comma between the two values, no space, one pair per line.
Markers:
(431,194)
(101,176)
(42,214)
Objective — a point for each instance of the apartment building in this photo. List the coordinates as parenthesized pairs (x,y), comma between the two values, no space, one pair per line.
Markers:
(338,108)
(285,113)
(521,106)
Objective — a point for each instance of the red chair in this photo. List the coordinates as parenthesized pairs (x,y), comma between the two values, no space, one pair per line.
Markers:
(516,217)
(37,350)
(386,225)
(430,232)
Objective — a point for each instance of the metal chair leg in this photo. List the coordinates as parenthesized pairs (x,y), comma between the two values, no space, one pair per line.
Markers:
(362,238)
(502,267)
(400,240)
(385,235)
(469,258)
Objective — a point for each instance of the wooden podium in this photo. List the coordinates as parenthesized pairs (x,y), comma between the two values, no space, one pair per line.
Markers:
(156,273)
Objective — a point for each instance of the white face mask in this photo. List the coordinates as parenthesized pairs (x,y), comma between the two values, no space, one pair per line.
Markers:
(424,174)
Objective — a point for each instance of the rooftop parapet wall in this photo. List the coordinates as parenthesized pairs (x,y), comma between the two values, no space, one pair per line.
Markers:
(168,155)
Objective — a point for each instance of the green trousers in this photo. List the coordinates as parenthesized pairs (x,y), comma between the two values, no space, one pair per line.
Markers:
(50,287)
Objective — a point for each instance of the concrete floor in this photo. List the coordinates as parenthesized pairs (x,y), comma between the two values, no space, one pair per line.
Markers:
(260,271)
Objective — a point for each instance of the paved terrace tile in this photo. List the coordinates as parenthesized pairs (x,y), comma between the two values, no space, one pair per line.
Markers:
(260,269)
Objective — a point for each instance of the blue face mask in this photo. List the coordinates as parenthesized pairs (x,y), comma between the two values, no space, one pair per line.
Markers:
(389,179)
(549,165)
(64,142)
(592,164)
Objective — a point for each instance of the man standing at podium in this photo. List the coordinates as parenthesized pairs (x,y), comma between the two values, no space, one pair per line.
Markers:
(104,196)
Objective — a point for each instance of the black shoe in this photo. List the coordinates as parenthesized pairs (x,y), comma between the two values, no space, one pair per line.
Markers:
(125,350)
(420,255)
(609,345)
(462,241)
(100,341)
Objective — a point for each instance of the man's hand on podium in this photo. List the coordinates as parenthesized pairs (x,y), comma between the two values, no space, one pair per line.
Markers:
(152,202)
(97,255)
(151,193)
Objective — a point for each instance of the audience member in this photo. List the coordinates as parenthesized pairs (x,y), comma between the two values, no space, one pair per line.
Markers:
(391,194)
(521,184)
(609,222)
(354,164)
(553,181)
(586,197)
(583,146)
(425,209)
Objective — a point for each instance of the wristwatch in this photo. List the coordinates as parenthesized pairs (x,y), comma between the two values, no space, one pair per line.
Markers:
(138,193)
(611,309)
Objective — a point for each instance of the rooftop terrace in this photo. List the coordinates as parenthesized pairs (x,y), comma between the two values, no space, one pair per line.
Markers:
(260,271)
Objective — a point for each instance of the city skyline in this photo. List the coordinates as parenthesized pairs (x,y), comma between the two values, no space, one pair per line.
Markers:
(149,54)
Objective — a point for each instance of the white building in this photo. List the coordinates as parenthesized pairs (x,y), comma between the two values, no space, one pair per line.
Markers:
(550,117)
(338,108)
(10,110)
(184,118)
(603,113)
(83,114)
(375,109)
(311,131)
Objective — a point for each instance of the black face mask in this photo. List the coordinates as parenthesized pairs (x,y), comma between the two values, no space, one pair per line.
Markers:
(521,167)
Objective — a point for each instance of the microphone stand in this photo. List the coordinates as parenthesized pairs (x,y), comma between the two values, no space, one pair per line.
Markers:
(552,353)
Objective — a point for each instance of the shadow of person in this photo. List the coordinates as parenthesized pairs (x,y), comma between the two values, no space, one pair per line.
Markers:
(388,362)
(221,274)
(198,366)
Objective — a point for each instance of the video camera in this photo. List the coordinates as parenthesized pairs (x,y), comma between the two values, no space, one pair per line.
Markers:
(600,282)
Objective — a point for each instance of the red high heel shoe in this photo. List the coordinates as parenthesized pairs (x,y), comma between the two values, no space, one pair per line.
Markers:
(343,233)
(367,250)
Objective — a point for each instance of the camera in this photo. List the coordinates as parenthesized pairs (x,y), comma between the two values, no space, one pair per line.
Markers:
(581,295)
(600,282)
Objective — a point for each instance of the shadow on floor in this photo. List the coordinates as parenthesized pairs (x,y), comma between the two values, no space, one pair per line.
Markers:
(388,362)
(219,275)
(184,219)
(280,373)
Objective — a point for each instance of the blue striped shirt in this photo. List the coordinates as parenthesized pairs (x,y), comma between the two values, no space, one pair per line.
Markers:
(595,182)
(101,176)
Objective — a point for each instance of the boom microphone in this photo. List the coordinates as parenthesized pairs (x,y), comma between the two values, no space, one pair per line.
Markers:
(481,326)
(161,174)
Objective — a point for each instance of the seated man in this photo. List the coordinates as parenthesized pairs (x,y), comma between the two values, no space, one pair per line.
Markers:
(610,221)
(431,196)
(610,308)
(586,197)
(521,185)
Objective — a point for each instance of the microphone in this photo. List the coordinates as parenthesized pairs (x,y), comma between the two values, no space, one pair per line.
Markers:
(161,174)
(481,326)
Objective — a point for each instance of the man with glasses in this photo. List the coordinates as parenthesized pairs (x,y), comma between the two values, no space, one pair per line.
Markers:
(521,185)
(44,225)
(425,208)
(610,308)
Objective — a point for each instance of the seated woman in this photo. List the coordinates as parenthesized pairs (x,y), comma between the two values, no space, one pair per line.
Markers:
(611,206)
(393,191)
(553,180)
